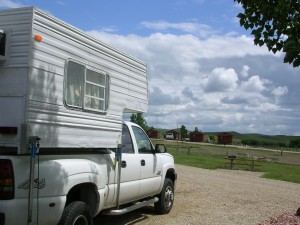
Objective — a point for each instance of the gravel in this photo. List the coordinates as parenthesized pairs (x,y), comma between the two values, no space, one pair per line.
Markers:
(283,219)
(221,197)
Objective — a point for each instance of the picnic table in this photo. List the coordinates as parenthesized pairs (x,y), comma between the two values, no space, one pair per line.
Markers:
(233,160)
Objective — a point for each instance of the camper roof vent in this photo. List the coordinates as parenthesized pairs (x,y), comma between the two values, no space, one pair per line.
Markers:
(2,45)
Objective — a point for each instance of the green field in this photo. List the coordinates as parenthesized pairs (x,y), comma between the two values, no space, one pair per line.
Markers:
(274,164)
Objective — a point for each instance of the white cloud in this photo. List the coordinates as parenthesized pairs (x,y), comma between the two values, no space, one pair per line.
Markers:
(184,48)
(61,2)
(254,84)
(201,30)
(279,91)
(245,70)
(221,79)
(10,4)
(263,107)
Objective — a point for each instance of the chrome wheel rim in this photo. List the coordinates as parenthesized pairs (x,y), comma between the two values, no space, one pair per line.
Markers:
(169,197)
(80,220)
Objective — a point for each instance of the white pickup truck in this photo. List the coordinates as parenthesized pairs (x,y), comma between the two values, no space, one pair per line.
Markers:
(73,188)
(66,154)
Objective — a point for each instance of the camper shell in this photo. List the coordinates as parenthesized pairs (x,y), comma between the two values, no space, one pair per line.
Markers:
(63,86)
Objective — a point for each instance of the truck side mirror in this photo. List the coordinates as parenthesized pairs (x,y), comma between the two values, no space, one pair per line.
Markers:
(161,148)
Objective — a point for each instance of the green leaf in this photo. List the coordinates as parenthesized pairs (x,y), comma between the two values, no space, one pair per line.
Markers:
(241,15)
(242,22)
(279,46)
(261,43)
(268,27)
(296,63)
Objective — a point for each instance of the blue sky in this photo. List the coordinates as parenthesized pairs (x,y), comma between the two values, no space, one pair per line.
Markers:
(204,70)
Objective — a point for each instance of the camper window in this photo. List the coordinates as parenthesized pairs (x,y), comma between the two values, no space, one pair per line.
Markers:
(95,90)
(86,88)
(74,84)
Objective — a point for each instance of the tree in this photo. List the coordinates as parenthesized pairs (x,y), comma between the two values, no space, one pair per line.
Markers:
(139,120)
(294,143)
(212,138)
(274,23)
(183,132)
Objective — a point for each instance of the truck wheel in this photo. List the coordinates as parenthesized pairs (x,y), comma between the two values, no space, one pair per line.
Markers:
(76,213)
(166,198)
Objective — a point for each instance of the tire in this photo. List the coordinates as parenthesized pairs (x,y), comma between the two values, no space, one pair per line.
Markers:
(166,198)
(76,213)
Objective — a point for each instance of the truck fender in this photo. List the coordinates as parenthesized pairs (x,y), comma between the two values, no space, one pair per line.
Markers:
(77,179)
(168,171)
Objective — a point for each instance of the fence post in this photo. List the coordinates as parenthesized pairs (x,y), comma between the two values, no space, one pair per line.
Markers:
(189,150)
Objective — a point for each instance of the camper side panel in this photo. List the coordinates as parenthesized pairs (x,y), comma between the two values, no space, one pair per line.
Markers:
(49,116)
(17,26)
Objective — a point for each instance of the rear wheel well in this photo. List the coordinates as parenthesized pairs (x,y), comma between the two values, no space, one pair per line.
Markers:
(86,192)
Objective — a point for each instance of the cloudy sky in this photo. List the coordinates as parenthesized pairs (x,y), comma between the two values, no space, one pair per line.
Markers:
(204,70)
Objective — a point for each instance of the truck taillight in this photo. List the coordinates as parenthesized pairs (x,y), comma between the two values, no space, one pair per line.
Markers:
(7,190)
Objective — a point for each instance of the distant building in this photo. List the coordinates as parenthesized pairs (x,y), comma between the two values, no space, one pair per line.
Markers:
(196,136)
(152,133)
(175,133)
(225,138)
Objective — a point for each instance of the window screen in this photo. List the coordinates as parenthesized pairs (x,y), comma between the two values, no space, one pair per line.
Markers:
(95,90)
(86,88)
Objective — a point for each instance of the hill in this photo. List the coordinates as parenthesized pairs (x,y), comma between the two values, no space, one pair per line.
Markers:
(260,138)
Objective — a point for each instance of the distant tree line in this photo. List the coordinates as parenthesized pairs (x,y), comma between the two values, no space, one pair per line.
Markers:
(293,143)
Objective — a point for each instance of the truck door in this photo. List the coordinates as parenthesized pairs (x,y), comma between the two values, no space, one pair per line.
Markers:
(150,164)
(130,171)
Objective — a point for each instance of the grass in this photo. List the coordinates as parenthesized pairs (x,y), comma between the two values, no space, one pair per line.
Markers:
(284,167)
(200,160)
(277,171)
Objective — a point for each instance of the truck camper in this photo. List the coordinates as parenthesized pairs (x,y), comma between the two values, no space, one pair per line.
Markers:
(65,152)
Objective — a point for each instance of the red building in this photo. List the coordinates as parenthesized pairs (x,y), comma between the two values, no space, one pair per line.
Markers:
(152,133)
(225,138)
(196,136)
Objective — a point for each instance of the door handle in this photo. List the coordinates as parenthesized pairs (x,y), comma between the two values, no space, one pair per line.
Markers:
(143,163)
(123,164)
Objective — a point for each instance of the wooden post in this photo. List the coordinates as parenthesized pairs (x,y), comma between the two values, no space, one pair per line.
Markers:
(189,150)
(231,163)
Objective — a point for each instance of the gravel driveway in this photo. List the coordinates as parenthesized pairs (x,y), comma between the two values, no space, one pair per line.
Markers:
(218,197)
